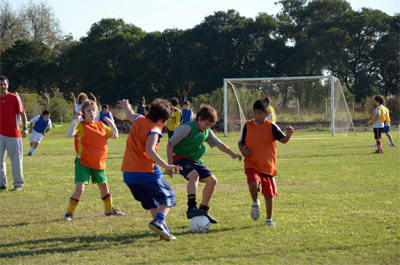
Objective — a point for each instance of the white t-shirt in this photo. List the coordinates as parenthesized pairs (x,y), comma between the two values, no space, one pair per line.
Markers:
(378,123)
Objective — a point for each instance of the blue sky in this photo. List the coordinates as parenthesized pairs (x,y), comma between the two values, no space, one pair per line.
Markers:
(77,16)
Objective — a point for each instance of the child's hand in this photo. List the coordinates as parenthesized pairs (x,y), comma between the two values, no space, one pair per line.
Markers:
(124,104)
(107,119)
(78,115)
(234,156)
(171,169)
(245,152)
(73,96)
(289,131)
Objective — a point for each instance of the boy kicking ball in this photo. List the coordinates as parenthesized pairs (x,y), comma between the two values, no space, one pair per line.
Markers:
(185,148)
(39,130)
(257,145)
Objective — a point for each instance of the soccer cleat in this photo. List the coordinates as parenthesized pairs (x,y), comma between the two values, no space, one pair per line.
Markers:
(68,217)
(160,230)
(255,210)
(114,212)
(378,152)
(269,223)
(4,187)
(211,219)
(30,153)
(192,212)
(169,232)
(17,188)
(392,144)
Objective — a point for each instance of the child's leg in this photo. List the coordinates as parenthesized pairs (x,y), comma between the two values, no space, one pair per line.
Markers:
(253,189)
(269,205)
(209,188)
(106,196)
(74,200)
(163,209)
(192,188)
(389,137)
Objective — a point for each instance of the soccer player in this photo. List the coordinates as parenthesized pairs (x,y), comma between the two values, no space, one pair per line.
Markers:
(377,121)
(39,130)
(386,128)
(91,156)
(185,148)
(140,172)
(187,113)
(104,113)
(271,116)
(176,119)
(257,145)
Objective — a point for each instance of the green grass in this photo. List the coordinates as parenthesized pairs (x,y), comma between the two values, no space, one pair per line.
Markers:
(337,204)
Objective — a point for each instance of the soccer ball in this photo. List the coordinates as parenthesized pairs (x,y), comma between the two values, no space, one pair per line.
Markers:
(199,224)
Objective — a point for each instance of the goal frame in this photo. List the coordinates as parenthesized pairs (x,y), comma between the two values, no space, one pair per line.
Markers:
(331,78)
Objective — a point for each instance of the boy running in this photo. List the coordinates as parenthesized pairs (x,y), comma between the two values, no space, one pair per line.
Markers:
(257,145)
(140,172)
(176,119)
(41,128)
(185,148)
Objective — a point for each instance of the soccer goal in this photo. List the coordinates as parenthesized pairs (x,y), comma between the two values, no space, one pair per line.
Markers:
(314,103)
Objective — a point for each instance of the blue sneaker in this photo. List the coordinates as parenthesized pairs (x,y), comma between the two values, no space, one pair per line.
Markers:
(160,230)
(30,153)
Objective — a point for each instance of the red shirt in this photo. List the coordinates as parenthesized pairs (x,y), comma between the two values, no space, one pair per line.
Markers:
(10,108)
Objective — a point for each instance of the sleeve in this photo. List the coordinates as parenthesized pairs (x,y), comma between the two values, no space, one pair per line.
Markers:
(108,130)
(20,106)
(79,130)
(112,117)
(191,115)
(278,134)
(35,119)
(180,133)
(213,140)
(49,125)
(243,134)
(98,117)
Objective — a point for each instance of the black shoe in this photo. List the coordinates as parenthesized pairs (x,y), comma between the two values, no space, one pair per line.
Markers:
(195,212)
(211,219)
(4,187)
(17,188)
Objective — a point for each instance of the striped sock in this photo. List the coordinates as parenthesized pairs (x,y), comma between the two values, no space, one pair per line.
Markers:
(191,201)
(205,207)
(107,200)
(379,145)
(73,203)
(160,218)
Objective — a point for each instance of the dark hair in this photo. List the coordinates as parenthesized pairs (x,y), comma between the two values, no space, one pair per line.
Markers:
(142,99)
(380,99)
(174,101)
(207,113)
(186,102)
(160,109)
(147,108)
(261,104)
(3,78)
(45,112)
(104,106)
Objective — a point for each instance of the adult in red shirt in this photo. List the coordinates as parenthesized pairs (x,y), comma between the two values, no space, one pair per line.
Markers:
(11,109)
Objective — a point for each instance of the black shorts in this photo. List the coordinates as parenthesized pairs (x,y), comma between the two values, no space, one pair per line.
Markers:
(378,133)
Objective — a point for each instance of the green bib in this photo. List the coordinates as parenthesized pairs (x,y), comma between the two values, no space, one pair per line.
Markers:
(192,146)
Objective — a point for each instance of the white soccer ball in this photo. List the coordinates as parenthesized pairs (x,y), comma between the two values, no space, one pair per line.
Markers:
(199,224)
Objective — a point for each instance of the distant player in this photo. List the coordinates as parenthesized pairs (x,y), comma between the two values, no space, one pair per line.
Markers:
(257,145)
(90,162)
(187,113)
(176,120)
(42,125)
(140,165)
(377,121)
(271,116)
(186,147)
(104,113)
(386,127)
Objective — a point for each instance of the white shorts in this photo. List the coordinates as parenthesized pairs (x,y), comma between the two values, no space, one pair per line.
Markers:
(36,136)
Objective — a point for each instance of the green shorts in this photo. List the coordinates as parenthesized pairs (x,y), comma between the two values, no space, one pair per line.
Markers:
(82,174)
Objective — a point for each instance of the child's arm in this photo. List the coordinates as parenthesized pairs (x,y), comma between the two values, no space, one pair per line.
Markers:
(124,104)
(114,134)
(245,152)
(151,143)
(289,132)
(73,101)
(71,132)
(93,97)
(224,148)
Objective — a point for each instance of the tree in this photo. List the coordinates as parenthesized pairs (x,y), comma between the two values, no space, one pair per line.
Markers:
(10,25)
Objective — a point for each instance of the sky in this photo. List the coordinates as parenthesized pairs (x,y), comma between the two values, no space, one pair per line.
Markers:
(77,16)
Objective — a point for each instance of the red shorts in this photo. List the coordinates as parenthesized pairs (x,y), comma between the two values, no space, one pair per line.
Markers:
(267,182)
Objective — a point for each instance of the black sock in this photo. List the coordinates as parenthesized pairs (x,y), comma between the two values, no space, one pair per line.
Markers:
(205,207)
(191,201)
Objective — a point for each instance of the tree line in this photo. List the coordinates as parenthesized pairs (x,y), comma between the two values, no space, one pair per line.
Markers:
(119,60)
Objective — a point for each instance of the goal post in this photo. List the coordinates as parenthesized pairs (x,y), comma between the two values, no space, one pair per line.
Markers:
(314,103)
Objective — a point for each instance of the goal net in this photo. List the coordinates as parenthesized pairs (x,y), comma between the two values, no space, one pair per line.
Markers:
(314,103)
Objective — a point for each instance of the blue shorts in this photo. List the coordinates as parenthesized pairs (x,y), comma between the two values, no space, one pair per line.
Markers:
(188,166)
(386,129)
(152,194)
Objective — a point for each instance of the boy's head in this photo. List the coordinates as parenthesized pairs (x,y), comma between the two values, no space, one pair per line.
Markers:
(160,110)
(86,105)
(174,101)
(45,114)
(261,110)
(81,98)
(142,100)
(186,104)
(380,99)
(206,117)
(104,108)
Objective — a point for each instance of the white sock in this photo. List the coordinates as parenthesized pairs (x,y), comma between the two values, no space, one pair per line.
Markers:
(33,149)
(256,203)
(268,220)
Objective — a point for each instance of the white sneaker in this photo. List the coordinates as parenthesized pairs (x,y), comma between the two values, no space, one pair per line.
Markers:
(114,212)
(68,217)
(255,210)
(392,144)
(269,223)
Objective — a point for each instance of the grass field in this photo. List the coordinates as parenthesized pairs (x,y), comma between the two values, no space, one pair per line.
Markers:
(338,204)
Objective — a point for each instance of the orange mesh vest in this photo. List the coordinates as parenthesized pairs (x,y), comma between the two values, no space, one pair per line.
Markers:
(93,145)
(261,143)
